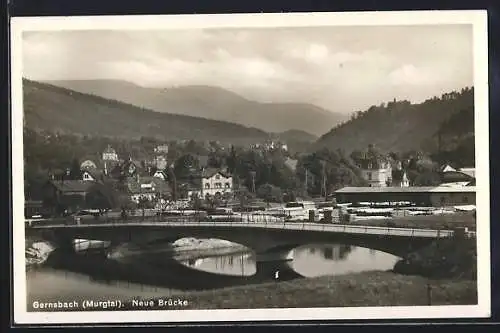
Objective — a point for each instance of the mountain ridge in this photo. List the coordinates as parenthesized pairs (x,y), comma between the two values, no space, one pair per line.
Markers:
(48,107)
(401,125)
(212,102)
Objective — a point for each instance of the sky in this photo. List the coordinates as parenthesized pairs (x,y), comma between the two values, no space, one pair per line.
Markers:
(342,69)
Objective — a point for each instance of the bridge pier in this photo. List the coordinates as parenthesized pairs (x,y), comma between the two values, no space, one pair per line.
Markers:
(66,244)
(275,265)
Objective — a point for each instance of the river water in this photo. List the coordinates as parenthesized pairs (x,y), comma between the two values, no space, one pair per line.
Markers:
(150,273)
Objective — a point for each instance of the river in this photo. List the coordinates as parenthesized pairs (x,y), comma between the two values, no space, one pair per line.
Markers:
(149,273)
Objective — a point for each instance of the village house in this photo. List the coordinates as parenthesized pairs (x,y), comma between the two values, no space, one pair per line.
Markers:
(158,173)
(160,162)
(378,174)
(400,179)
(124,170)
(109,154)
(216,182)
(148,188)
(163,149)
(110,159)
(88,165)
(93,175)
(70,196)
(457,177)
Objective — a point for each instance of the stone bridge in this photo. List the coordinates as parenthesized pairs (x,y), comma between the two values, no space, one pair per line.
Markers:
(271,241)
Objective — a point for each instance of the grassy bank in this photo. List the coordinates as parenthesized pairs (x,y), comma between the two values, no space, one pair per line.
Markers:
(359,289)
(375,288)
(446,258)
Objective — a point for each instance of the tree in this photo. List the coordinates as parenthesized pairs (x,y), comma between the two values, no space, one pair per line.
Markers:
(75,172)
(329,171)
(143,204)
(195,201)
(270,193)
(184,165)
(173,182)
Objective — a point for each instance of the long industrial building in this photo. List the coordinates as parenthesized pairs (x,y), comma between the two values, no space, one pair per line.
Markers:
(435,196)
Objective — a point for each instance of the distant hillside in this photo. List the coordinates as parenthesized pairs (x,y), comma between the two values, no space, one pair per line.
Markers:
(297,135)
(52,108)
(213,103)
(402,126)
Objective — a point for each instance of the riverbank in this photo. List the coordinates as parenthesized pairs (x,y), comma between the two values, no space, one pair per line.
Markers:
(453,258)
(375,288)
(359,289)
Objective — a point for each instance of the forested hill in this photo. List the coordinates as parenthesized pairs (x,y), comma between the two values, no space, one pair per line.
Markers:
(47,107)
(400,126)
(213,103)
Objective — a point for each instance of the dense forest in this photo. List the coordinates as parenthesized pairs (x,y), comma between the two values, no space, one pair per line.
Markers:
(441,126)
(214,103)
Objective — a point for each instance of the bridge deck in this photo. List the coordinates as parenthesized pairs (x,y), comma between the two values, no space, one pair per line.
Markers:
(307,226)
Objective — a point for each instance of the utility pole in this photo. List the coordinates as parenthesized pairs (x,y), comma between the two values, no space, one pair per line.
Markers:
(252,174)
(306,180)
(323,186)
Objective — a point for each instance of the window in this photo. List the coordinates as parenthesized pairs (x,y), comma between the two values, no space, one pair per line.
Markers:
(228,185)
(465,199)
(217,177)
(207,185)
(218,185)
(369,176)
(443,199)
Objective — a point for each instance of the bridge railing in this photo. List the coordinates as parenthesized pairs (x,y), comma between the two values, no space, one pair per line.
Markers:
(284,225)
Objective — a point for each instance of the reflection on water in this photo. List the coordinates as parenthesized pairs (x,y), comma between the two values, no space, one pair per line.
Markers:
(151,266)
(57,285)
(339,259)
(309,261)
(240,264)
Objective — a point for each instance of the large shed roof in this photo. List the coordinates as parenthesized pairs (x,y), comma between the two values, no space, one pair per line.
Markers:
(411,189)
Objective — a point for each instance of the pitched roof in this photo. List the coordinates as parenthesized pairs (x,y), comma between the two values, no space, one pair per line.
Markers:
(447,168)
(210,172)
(159,185)
(95,173)
(469,171)
(109,150)
(72,185)
(411,189)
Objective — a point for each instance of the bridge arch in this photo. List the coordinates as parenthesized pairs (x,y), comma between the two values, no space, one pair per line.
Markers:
(264,241)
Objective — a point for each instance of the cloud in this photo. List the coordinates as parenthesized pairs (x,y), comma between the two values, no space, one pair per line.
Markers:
(313,52)
(339,68)
(410,75)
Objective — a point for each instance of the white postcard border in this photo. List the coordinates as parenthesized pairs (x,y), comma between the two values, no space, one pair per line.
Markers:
(149,22)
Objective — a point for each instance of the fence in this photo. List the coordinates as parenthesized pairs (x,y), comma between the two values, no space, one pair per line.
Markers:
(283,225)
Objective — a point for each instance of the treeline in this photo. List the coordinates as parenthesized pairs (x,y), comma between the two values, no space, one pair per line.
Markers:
(262,173)
(56,109)
(401,126)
